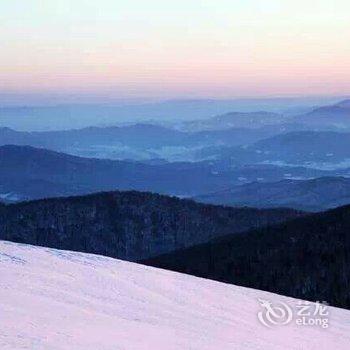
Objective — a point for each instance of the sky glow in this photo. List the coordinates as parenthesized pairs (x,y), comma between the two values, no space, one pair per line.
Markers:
(183,48)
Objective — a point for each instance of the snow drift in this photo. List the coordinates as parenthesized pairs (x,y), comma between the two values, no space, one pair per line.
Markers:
(51,299)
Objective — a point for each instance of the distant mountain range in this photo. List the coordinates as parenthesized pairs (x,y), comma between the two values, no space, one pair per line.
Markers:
(199,139)
(305,258)
(337,115)
(270,144)
(135,141)
(252,120)
(315,149)
(309,195)
(59,117)
(127,225)
(31,173)
(139,141)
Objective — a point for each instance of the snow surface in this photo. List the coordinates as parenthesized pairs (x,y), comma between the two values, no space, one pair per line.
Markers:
(51,299)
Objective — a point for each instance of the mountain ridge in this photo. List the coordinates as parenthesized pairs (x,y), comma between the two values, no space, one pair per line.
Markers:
(33,173)
(310,195)
(305,258)
(128,225)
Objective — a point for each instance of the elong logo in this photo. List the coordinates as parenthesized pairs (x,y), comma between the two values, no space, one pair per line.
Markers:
(280,314)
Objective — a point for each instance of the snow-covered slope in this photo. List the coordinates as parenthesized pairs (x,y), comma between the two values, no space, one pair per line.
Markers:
(51,299)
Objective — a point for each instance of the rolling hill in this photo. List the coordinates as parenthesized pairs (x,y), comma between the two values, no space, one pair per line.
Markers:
(136,142)
(251,120)
(32,173)
(336,115)
(327,150)
(127,225)
(305,258)
(309,195)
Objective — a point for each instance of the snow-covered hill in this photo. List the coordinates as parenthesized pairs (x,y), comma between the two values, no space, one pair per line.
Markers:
(51,299)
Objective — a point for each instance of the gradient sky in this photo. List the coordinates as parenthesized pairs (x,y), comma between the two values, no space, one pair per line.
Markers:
(161,48)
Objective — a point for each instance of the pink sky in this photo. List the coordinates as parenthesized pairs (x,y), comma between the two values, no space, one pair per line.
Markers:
(191,48)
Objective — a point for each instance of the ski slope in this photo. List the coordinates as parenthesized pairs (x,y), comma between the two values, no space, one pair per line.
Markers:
(51,299)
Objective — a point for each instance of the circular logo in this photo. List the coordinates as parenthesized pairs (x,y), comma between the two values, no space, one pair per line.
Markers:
(272,315)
